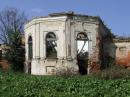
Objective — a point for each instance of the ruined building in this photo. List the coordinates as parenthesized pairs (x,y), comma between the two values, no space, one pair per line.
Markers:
(66,42)
(119,50)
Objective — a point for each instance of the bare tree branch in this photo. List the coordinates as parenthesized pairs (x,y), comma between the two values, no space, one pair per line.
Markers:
(11,20)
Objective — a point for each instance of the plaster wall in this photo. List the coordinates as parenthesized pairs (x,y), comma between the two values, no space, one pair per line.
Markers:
(38,29)
(66,30)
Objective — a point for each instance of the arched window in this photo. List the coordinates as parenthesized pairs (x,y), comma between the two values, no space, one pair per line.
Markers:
(82,36)
(82,44)
(51,45)
(30,53)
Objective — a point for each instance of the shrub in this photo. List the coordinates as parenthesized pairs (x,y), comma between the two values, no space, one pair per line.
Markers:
(113,72)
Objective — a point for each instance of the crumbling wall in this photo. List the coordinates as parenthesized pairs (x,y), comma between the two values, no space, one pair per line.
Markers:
(119,50)
(107,46)
(123,54)
(95,59)
(95,51)
(90,27)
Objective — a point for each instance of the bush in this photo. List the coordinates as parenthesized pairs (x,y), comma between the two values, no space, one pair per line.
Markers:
(15,54)
(113,72)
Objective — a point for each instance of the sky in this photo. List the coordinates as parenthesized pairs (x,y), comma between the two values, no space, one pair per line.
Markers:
(114,13)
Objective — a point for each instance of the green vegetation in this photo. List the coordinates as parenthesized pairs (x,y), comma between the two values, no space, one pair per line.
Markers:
(113,72)
(22,85)
(11,35)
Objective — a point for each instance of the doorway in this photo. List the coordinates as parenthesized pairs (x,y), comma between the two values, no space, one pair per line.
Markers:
(82,52)
(29,68)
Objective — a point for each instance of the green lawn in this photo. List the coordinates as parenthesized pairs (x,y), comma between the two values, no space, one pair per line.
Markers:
(21,85)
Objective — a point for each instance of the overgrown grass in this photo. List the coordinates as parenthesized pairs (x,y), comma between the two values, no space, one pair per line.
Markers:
(22,85)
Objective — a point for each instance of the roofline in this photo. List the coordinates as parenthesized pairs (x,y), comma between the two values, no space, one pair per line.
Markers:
(70,14)
(121,39)
(62,14)
(33,20)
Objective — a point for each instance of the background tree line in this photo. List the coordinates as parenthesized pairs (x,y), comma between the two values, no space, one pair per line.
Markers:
(11,32)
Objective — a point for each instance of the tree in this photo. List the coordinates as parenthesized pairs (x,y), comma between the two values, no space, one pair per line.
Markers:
(11,20)
(11,30)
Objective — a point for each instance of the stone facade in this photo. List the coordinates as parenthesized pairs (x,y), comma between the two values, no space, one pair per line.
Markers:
(119,50)
(66,27)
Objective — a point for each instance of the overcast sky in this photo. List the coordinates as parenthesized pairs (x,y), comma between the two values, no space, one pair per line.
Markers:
(115,13)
